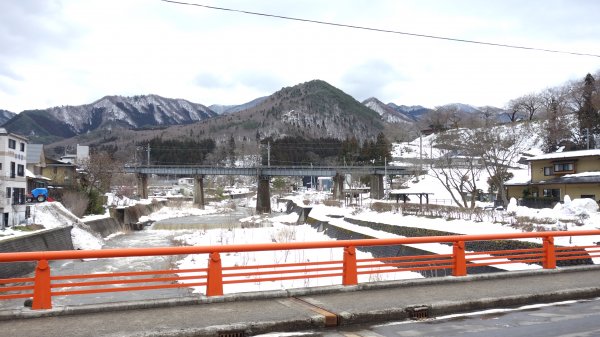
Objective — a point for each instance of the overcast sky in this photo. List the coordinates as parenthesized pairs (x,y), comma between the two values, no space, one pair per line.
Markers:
(73,52)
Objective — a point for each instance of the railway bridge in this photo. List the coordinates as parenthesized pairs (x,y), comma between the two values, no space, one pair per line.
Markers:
(264,174)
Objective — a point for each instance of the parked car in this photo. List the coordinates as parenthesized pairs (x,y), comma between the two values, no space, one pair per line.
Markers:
(39,194)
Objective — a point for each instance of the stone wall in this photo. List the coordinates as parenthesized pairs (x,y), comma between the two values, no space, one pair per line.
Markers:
(51,239)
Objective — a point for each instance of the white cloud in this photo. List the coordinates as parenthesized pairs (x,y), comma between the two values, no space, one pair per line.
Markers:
(73,52)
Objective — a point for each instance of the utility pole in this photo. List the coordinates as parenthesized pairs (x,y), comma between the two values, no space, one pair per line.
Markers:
(587,137)
(384,172)
(148,153)
(420,154)
(269,154)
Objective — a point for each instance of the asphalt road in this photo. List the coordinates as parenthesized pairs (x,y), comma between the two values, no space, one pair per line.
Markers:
(564,319)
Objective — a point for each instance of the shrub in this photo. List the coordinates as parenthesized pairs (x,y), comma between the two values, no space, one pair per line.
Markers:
(332,203)
(381,207)
(96,203)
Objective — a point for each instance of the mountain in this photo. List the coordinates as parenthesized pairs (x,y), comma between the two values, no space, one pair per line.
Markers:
(310,110)
(415,112)
(387,113)
(5,116)
(149,111)
(313,110)
(225,109)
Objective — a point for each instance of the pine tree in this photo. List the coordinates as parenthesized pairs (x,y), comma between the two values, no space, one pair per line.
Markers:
(589,120)
(382,149)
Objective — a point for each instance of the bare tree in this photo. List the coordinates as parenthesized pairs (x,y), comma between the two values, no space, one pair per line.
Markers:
(98,171)
(458,168)
(512,110)
(499,148)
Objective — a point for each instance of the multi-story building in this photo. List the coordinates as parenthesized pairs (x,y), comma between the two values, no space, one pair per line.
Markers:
(13,182)
(554,175)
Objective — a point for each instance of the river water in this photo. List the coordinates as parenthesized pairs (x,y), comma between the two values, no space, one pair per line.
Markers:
(159,234)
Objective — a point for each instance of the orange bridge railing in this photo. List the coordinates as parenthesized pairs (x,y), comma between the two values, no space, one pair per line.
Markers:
(43,286)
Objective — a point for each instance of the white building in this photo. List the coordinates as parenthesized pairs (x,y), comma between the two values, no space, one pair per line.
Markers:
(13,182)
(81,155)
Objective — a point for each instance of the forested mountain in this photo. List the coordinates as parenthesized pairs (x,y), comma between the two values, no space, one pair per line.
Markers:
(5,116)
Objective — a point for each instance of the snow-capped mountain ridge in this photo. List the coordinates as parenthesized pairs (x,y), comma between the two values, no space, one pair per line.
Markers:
(127,112)
(386,112)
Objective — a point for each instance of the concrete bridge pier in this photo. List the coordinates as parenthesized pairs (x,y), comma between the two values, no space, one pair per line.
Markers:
(377,191)
(338,186)
(263,195)
(142,186)
(199,191)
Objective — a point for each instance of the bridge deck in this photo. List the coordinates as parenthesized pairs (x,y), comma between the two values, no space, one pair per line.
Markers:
(291,311)
(192,170)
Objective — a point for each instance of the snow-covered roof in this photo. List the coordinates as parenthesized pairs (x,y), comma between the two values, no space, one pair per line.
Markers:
(520,177)
(30,174)
(568,154)
(572,179)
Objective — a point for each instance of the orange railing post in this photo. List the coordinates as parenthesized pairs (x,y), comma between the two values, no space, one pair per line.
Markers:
(549,253)
(460,262)
(42,299)
(349,276)
(214,278)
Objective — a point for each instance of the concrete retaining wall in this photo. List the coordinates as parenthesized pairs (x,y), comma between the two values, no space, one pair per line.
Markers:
(105,226)
(474,246)
(51,239)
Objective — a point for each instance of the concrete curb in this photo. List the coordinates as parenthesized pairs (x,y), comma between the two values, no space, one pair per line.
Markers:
(379,316)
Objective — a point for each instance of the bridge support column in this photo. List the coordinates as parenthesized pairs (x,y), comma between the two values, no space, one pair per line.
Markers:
(199,191)
(338,186)
(142,185)
(263,195)
(377,191)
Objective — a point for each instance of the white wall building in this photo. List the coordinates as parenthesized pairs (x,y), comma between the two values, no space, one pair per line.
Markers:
(13,182)
(81,155)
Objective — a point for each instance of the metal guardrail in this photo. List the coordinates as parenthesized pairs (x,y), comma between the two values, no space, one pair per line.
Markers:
(44,286)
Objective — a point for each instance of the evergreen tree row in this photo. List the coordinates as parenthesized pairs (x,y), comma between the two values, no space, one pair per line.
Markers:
(325,151)
(178,152)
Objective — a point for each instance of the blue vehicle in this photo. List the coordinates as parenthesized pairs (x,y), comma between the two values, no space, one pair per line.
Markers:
(39,194)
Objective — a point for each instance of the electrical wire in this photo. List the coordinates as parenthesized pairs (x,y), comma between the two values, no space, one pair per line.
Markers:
(380,30)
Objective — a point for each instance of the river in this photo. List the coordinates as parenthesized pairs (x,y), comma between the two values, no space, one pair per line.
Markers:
(159,234)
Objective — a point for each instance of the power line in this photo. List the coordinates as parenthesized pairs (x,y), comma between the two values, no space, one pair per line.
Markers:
(380,30)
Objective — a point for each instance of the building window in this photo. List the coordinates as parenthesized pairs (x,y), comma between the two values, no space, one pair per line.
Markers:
(21,170)
(8,190)
(22,147)
(12,144)
(548,171)
(12,169)
(18,196)
(553,193)
(564,167)
(589,196)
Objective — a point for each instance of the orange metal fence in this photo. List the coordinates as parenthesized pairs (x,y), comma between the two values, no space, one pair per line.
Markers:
(43,285)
